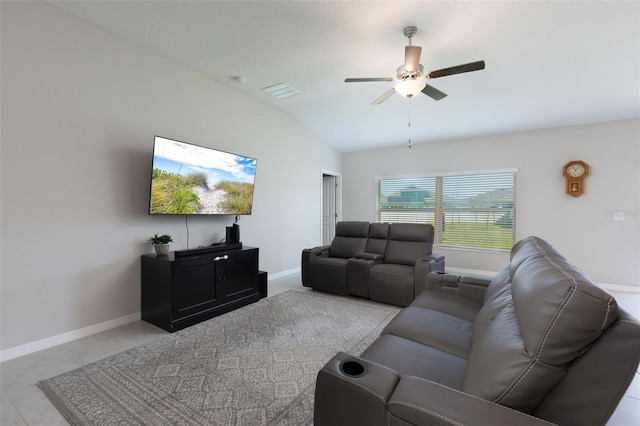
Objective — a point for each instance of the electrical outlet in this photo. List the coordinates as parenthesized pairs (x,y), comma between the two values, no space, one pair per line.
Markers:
(618,215)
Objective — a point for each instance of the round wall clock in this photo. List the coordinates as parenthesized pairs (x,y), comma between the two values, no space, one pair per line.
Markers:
(575,172)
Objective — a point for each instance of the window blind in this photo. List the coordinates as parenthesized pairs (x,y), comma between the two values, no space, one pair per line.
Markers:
(470,210)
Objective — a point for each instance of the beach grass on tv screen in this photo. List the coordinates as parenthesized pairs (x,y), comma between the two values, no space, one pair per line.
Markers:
(172,193)
(239,196)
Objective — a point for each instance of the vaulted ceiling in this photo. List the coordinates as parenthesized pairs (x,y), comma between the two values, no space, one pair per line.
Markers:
(548,63)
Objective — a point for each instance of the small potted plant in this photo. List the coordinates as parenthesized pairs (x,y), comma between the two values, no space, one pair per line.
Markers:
(160,243)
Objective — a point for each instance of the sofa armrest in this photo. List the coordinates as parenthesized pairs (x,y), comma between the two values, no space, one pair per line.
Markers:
(358,273)
(319,250)
(368,256)
(423,267)
(351,391)
(442,280)
(421,402)
(470,286)
(308,255)
(474,286)
(437,262)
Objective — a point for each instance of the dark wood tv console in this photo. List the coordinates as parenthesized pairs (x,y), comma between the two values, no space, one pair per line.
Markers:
(180,291)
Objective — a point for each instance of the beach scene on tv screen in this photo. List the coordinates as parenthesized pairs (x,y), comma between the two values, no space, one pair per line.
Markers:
(190,179)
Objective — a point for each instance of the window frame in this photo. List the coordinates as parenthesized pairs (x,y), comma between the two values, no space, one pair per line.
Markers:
(438,213)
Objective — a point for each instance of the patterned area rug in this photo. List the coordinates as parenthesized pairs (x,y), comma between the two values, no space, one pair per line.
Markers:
(253,366)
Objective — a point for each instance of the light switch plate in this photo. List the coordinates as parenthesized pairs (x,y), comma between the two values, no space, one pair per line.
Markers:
(618,215)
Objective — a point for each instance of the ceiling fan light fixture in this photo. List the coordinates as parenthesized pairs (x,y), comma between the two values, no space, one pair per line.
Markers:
(410,76)
(410,87)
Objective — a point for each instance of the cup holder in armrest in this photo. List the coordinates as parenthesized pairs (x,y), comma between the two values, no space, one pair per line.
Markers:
(352,369)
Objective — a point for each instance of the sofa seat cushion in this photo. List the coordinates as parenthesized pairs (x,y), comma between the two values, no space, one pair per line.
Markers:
(448,303)
(329,274)
(436,329)
(392,269)
(392,283)
(407,357)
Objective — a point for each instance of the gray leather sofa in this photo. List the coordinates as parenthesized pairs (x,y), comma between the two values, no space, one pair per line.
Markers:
(540,343)
(385,262)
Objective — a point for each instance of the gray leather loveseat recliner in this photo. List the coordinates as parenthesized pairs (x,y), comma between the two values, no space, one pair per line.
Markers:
(384,262)
(541,343)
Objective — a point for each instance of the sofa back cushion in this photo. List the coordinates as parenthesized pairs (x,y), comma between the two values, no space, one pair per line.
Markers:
(351,237)
(378,236)
(527,333)
(408,242)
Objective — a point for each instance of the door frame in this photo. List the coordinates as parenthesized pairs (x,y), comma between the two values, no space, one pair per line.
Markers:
(338,177)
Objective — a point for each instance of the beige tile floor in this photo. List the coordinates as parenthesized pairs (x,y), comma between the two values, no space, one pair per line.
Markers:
(23,403)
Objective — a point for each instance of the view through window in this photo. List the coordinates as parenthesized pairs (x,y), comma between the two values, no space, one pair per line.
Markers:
(466,210)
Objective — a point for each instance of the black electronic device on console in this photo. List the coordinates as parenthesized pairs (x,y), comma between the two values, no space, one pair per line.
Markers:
(233,234)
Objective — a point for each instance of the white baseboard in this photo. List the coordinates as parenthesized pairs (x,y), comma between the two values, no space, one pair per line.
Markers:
(620,288)
(67,337)
(282,274)
(70,336)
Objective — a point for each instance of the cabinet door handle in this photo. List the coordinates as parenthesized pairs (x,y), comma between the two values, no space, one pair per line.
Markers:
(217,258)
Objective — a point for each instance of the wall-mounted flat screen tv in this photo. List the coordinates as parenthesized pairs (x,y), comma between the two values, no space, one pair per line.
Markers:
(193,180)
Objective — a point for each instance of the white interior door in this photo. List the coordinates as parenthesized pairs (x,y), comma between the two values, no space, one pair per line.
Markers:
(329,212)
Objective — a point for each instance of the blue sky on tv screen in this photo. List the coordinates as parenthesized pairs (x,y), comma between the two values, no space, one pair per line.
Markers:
(177,157)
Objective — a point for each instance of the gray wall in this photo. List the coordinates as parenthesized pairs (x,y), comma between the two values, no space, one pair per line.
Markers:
(581,228)
(80,108)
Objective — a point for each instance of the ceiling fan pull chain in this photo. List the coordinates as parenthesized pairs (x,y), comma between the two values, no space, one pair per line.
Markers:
(409,125)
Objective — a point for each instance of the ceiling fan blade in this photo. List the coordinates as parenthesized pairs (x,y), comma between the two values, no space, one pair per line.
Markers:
(412,58)
(384,97)
(459,69)
(433,93)
(362,80)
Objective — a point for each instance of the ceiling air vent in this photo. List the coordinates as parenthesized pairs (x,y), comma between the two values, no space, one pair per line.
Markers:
(281,91)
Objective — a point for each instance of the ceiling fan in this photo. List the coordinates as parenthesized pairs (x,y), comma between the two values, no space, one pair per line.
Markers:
(411,78)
